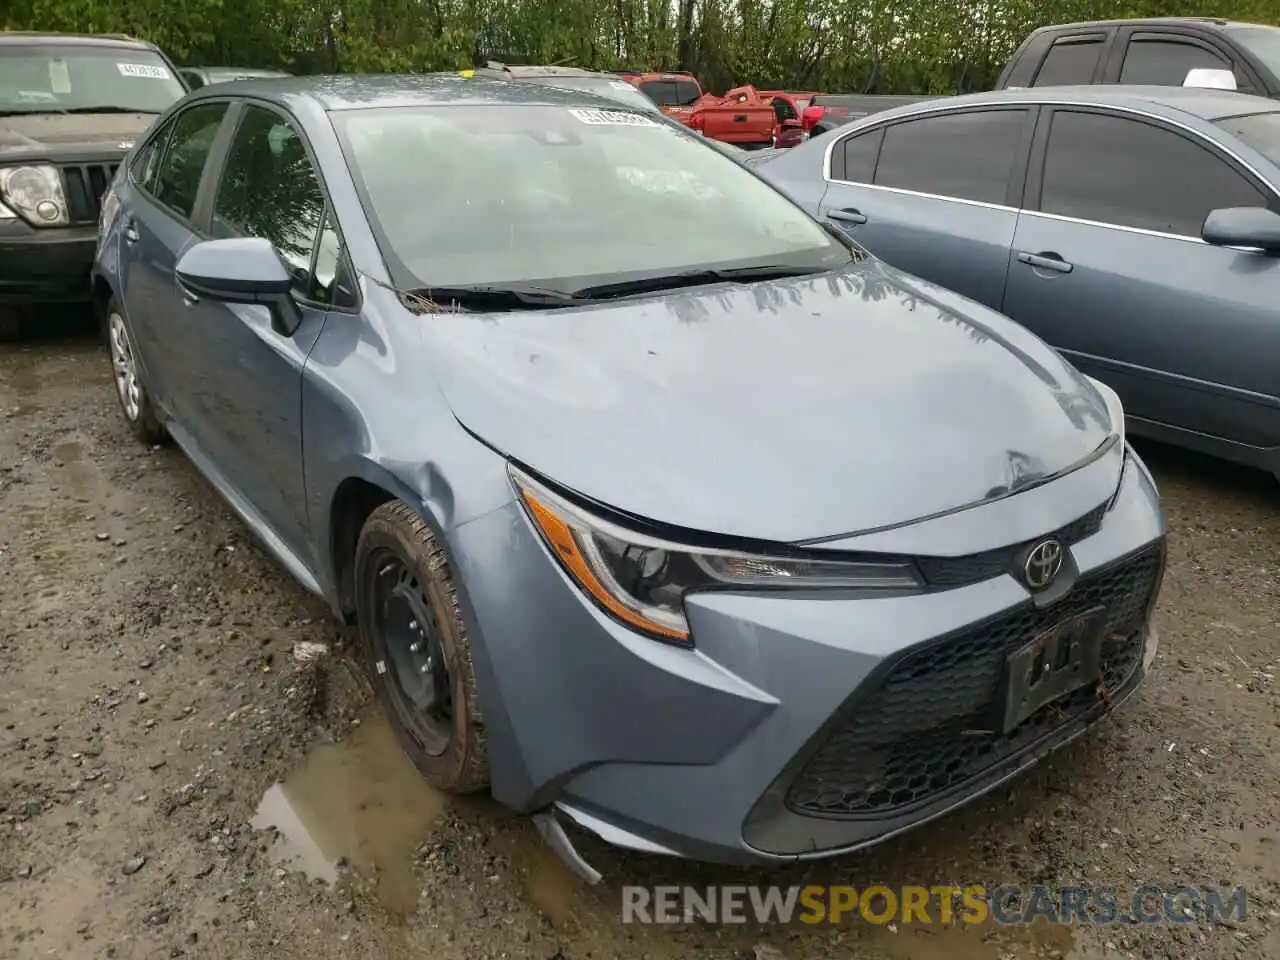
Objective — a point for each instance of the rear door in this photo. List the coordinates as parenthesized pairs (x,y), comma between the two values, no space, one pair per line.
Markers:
(936,195)
(156,228)
(1108,266)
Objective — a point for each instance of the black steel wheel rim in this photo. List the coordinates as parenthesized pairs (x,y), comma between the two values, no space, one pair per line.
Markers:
(409,656)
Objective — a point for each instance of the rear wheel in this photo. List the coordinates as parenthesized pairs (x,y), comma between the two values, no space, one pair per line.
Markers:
(135,404)
(415,648)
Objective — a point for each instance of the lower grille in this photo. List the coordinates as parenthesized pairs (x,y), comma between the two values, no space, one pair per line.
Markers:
(926,729)
(85,184)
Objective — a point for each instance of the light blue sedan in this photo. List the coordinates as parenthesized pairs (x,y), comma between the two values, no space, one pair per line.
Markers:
(659,506)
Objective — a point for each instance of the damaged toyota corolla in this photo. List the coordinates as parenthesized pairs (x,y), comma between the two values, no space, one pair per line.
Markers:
(660,507)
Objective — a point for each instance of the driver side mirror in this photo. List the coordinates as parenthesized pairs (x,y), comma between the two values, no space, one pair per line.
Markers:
(1255,227)
(1210,78)
(241,270)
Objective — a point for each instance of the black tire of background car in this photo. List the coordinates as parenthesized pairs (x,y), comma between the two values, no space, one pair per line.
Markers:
(147,428)
(463,766)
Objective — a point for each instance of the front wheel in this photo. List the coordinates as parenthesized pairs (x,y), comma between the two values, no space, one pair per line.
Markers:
(135,403)
(415,648)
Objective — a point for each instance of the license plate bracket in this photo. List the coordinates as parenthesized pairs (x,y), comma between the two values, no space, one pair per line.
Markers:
(1054,663)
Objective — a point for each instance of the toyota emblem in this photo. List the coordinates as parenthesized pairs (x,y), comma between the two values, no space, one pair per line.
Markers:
(1044,561)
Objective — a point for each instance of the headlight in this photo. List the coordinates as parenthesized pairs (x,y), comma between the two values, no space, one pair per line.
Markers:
(35,193)
(642,581)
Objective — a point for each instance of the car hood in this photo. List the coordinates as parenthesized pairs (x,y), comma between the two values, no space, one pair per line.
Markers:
(781,411)
(34,131)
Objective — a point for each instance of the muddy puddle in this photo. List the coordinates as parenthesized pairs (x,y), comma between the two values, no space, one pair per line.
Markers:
(358,802)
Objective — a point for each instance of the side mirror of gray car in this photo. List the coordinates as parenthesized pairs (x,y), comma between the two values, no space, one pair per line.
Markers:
(241,270)
(1255,227)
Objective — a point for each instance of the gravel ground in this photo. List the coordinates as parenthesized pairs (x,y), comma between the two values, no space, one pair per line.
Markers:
(153,717)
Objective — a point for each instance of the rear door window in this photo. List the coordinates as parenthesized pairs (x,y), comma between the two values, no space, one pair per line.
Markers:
(686,92)
(178,178)
(968,156)
(1070,60)
(1166,61)
(1117,170)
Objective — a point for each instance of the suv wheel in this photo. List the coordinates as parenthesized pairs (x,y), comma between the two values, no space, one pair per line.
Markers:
(415,648)
(135,404)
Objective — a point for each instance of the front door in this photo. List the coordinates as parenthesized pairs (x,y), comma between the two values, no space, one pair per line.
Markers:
(931,195)
(1108,266)
(250,412)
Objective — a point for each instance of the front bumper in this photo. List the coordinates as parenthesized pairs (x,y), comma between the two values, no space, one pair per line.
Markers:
(45,266)
(803,724)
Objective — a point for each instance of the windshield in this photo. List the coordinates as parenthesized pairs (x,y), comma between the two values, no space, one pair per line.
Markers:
(53,78)
(1259,130)
(618,90)
(563,198)
(1262,42)
(671,93)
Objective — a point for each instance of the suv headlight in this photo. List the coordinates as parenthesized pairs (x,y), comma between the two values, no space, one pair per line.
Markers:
(642,581)
(35,194)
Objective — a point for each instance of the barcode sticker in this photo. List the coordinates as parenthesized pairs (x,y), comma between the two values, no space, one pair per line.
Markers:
(613,118)
(146,71)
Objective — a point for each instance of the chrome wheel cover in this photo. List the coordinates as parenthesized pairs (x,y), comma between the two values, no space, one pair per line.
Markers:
(126,371)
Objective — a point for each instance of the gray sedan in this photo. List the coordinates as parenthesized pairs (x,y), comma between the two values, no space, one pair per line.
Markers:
(659,507)
(1134,228)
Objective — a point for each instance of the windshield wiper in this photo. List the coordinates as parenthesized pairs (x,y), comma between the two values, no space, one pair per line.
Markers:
(694,278)
(109,108)
(494,297)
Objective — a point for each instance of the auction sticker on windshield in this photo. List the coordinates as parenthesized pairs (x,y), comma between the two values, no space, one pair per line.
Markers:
(145,70)
(613,118)
(59,77)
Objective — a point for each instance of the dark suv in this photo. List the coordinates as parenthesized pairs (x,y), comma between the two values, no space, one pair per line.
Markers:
(70,108)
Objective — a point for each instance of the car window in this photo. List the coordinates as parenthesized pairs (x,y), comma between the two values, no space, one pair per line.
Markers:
(964,155)
(194,80)
(686,92)
(1069,61)
(858,159)
(178,177)
(661,92)
(54,78)
(146,162)
(269,188)
(1259,130)
(1166,62)
(563,197)
(332,277)
(782,110)
(1122,171)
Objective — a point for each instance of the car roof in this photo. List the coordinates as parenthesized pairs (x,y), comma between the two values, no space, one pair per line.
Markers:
(31,39)
(516,70)
(1202,103)
(358,92)
(1143,22)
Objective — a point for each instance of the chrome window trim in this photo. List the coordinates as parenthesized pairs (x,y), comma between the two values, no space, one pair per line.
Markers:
(1197,135)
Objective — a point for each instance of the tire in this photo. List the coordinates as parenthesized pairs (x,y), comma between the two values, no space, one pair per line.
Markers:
(135,403)
(410,630)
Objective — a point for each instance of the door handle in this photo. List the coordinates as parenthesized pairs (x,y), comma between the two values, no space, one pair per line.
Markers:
(847,215)
(1045,261)
(131,234)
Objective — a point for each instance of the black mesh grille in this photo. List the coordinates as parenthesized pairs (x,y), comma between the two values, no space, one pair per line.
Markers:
(959,571)
(927,727)
(85,184)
